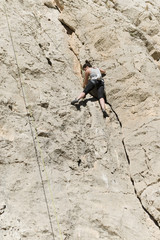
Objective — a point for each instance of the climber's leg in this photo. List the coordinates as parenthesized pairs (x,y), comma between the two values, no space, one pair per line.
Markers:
(87,89)
(101,99)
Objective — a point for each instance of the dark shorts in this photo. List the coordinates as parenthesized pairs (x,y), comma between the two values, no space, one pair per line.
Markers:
(98,84)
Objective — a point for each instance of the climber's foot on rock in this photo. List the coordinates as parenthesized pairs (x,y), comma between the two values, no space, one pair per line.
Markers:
(74,101)
(105,113)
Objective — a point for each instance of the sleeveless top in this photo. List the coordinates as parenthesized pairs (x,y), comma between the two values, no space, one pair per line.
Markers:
(95,74)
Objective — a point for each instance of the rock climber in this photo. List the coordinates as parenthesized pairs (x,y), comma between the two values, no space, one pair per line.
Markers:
(93,78)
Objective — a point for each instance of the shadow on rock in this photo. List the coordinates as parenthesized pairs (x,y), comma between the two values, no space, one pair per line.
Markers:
(84,102)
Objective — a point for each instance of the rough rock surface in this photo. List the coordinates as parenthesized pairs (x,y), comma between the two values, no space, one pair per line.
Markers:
(67,173)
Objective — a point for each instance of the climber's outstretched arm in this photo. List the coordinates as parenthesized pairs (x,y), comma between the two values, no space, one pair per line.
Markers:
(102,71)
(87,73)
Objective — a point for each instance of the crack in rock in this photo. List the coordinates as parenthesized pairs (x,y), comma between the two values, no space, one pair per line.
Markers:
(132,180)
(68,28)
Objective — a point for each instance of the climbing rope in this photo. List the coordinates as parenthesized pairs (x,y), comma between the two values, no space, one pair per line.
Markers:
(36,145)
(46,33)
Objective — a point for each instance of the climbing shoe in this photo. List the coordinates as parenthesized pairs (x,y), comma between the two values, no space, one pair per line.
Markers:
(74,101)
(105,114)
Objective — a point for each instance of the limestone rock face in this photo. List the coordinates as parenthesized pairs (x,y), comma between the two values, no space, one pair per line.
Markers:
(65,172)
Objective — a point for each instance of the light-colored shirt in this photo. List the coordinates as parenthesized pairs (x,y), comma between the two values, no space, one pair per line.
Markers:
(95,74)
